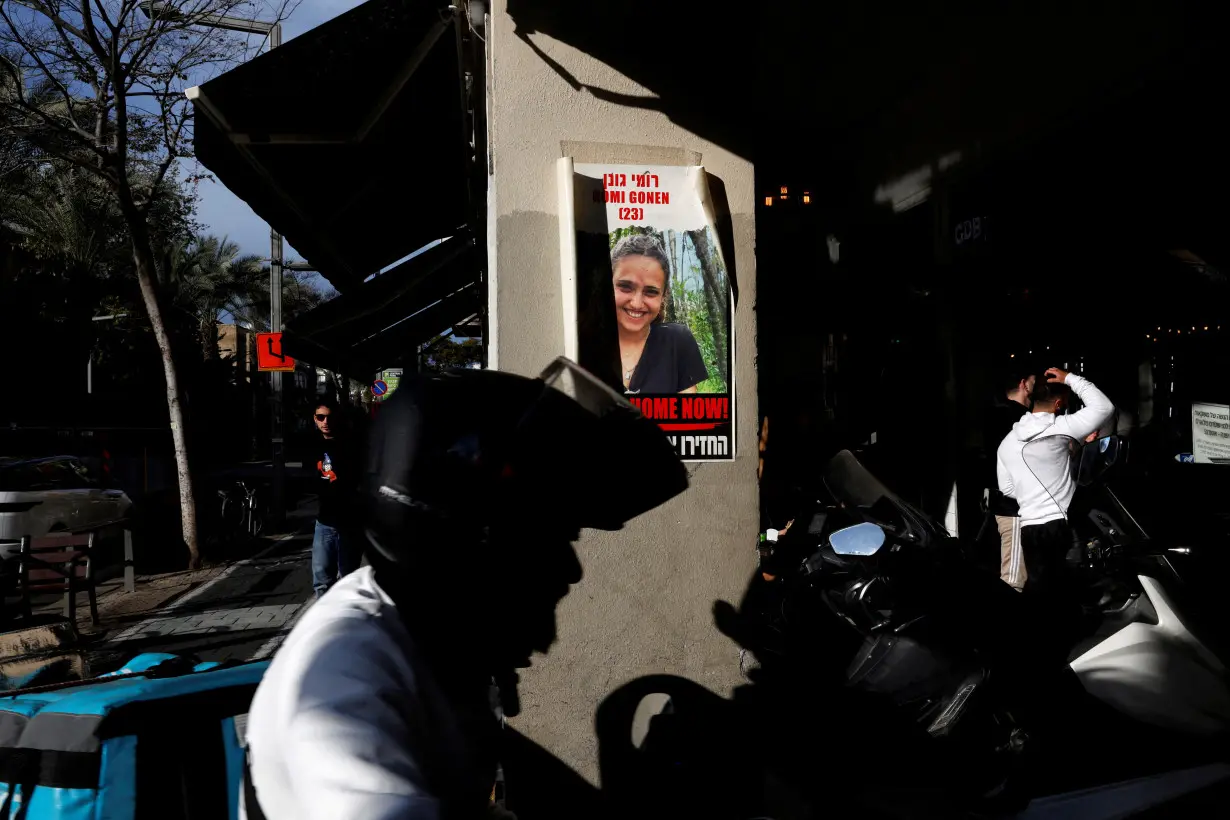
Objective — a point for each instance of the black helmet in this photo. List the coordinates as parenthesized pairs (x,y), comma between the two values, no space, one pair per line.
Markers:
(450,452)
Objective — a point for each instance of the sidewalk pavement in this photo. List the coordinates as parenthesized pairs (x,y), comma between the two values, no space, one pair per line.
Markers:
(242,613)
(238,611)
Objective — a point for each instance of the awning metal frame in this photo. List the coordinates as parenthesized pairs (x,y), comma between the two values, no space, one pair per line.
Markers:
(244,141)
(378,109)
(354,327)
(375,319)
(452,250)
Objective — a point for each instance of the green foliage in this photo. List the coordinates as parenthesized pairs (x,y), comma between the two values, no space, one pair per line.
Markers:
(446,353)
(203,277)
(301,291)
(702,330)
(69,219)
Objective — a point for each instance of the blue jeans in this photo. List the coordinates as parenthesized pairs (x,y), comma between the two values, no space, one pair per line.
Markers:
(335,553)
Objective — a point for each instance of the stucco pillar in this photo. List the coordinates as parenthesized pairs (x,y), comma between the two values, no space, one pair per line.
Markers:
(645,603)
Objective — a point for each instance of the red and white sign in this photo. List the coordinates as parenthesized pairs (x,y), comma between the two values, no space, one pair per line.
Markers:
(269,356)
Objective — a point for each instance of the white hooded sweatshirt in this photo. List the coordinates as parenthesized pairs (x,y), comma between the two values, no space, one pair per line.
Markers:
(1034,461)
(350,723)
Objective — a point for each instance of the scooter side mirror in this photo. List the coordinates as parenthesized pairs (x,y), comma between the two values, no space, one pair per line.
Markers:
(1098,456)
(861,539)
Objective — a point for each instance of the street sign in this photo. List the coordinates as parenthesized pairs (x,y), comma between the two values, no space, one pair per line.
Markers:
(269,356)
(392,378)
(1211,433)
(379,388)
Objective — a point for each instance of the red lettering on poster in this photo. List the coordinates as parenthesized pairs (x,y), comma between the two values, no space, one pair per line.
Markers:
(705,408)
(649,197)
(697,412)
(617,197)
(610,196)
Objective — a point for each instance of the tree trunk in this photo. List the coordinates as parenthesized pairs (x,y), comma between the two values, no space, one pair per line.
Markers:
(677,257)
(144,258)
(209,338)
(675,276)
(716,299)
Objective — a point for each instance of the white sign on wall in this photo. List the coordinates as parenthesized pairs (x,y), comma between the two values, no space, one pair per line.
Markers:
(1211,433)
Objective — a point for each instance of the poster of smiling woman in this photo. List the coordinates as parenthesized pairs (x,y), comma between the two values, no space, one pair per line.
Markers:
(647,297)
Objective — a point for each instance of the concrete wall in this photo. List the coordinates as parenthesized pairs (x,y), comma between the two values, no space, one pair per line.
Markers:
(644,604)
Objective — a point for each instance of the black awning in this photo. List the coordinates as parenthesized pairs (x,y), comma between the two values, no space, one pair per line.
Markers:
(382,322)
(349,139)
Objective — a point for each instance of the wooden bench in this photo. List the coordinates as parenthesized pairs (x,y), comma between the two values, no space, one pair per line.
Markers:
(58,563)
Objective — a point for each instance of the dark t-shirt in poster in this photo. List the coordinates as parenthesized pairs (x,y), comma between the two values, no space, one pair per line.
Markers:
(338,474)
(670,363)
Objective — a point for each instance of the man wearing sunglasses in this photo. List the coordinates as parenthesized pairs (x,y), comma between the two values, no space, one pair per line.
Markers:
(335,549)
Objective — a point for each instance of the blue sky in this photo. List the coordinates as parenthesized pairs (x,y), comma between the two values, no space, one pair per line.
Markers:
(222,213)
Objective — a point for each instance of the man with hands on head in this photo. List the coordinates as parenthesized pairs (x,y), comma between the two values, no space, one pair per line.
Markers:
(1033,464)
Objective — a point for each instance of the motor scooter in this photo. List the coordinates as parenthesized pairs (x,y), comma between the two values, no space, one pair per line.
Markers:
(873,604)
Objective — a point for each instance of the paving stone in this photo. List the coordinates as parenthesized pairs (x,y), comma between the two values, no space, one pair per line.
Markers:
(211,626)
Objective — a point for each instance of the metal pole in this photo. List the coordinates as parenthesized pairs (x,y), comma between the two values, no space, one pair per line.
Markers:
(130,570)
(277,454)
(89,365)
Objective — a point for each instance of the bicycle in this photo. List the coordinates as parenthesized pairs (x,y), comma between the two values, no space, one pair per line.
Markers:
(240,511)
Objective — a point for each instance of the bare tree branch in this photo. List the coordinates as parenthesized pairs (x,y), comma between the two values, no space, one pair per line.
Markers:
(95,86)
(71,130)
(49,75)
(102,14)
(55,19)
(80,163)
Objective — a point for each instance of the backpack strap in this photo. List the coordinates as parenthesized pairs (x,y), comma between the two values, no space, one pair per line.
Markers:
(50,768)
(251,807)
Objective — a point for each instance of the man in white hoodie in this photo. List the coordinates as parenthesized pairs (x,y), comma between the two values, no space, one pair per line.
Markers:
(1034,467)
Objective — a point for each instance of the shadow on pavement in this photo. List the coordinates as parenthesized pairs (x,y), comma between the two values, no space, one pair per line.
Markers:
(542,787)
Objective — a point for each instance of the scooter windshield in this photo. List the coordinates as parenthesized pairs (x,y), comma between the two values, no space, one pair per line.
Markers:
(863,495)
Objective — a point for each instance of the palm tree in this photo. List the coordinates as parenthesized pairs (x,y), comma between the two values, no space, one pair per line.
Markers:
(66,251)
(301,292)
(63,218)
(206,277)
(17,154)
